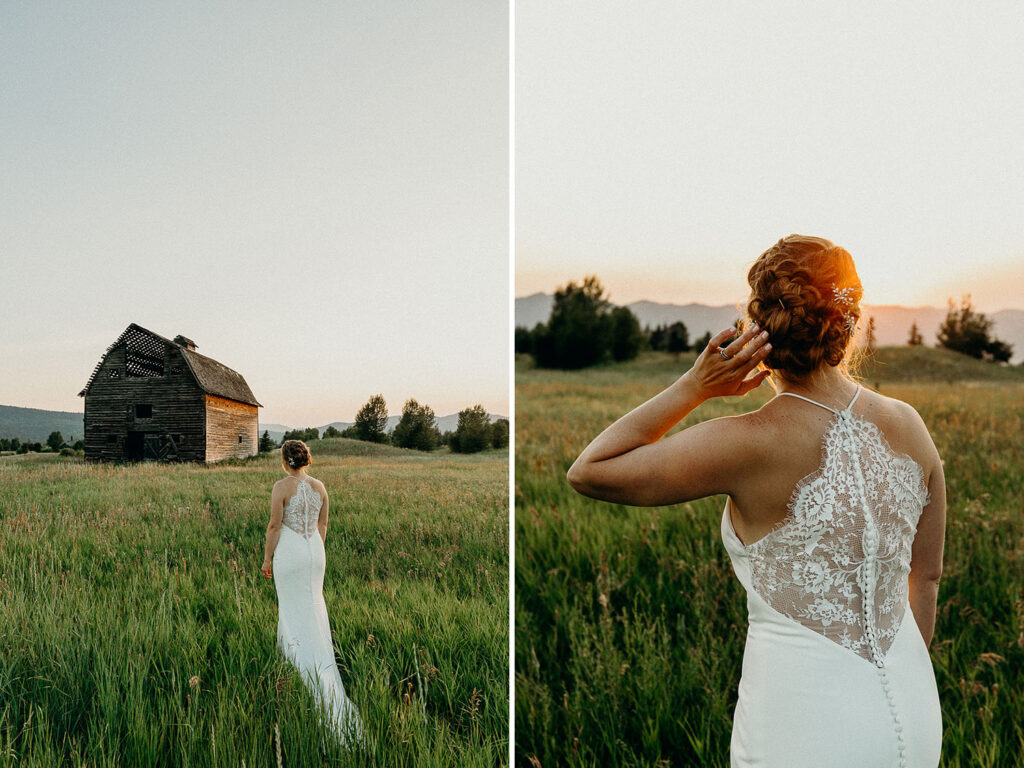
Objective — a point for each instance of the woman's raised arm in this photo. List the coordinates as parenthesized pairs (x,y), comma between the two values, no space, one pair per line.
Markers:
(629,463)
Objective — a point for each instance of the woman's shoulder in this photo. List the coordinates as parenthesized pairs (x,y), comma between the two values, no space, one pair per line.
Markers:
(901,424)
(318,485)
(898,413)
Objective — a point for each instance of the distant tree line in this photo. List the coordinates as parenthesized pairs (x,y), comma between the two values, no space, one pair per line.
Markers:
(584,329)
(55,443)
(967,331)
(417,428)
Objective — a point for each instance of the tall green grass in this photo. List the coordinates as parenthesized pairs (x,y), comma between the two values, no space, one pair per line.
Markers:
(630,623)
(137,630)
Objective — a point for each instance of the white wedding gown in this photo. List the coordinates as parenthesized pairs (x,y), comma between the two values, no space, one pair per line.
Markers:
(303,630)
(835,671)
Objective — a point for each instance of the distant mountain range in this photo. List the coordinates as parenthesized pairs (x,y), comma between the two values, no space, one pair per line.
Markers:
(36,425)
(892,323)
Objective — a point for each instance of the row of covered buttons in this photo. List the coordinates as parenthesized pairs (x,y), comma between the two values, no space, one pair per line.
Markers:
(901,745)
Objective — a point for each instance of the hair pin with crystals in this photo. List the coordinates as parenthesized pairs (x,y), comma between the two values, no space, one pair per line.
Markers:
(291,462)
(843,297)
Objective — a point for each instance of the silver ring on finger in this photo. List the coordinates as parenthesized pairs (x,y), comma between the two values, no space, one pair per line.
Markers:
(724,355)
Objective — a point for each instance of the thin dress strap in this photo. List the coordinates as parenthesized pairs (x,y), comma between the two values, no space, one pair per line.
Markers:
(822,405)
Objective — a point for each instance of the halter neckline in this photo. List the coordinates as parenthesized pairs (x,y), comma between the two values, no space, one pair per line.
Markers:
(827,407)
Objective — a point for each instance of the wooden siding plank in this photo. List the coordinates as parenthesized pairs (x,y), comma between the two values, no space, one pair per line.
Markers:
(226,420)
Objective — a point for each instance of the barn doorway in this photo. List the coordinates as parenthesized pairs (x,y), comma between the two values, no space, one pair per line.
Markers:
(141,446)
(134,446)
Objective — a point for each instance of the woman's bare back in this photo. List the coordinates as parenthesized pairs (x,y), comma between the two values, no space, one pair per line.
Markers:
(789,432)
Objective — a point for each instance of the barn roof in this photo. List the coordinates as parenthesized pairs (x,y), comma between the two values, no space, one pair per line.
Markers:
(214,378)
(217,379)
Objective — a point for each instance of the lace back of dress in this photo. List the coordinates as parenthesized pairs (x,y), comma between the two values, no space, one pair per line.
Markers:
(302,512)
(839,562)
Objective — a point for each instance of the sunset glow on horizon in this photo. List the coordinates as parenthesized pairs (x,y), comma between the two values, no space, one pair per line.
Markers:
(723,282)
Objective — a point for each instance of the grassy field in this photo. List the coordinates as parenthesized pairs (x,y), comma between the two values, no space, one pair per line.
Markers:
(136,629)
(630,624)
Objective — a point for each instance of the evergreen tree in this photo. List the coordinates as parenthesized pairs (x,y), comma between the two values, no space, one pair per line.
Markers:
(332,431)
(55,441)
(677,338)
(916,339)
(417,428)
(578,333)
(998,351)
(266,444)
(701,344)
(626,336)
(371,421)
(474,431)
(656,338)
(523,340)
(967,331)
(305,435)
(499,434)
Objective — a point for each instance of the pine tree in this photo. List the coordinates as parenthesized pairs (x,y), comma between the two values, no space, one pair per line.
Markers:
(371,421)
(474,431)
(266,442)
(915,339)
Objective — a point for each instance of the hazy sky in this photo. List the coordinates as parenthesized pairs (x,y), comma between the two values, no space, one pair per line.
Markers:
(664,145)
(316,193)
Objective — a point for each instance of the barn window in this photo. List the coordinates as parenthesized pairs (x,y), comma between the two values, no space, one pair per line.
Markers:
(144,411)
(114,373)
(241,438)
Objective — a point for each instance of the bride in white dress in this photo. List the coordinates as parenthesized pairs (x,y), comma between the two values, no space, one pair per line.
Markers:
(295,557)
(834,521)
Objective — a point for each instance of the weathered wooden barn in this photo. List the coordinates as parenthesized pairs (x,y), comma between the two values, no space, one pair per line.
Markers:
(153,398)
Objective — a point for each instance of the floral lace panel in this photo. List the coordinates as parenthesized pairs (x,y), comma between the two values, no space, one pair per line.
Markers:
(302,512)
(839,562)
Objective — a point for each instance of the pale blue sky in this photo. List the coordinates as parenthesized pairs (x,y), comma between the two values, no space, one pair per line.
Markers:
(316,193)
(664,145)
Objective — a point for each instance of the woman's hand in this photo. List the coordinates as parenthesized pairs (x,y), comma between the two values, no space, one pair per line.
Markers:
(716,375)
(266,569)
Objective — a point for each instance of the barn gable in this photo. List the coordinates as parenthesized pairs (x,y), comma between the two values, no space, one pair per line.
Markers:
(151,397)
(145,353)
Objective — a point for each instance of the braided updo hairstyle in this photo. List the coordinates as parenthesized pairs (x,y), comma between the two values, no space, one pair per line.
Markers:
(295,454)
(805,292)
